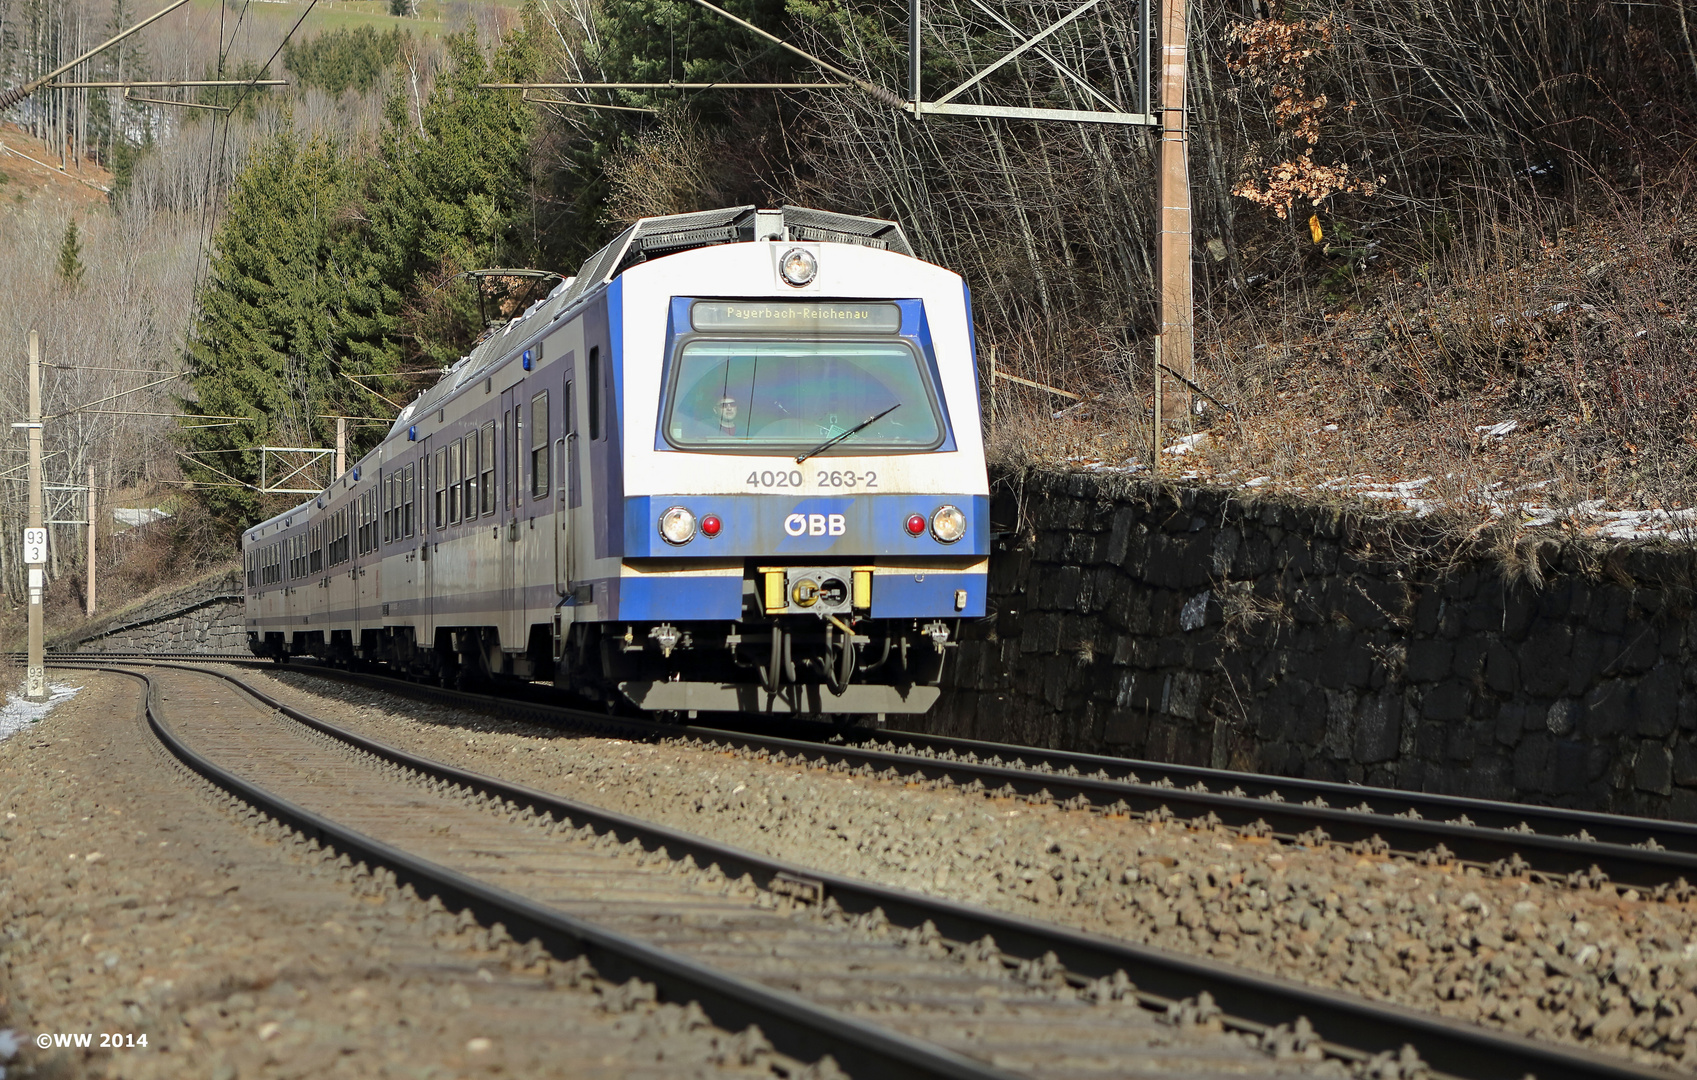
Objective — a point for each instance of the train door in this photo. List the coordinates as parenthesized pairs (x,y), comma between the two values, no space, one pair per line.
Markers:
(512,435)
(424,623)
(536,524)
(565,487)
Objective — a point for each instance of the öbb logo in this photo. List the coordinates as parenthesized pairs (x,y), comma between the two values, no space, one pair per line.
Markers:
(816,524)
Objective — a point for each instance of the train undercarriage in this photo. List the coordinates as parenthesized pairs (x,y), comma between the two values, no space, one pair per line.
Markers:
(779,664)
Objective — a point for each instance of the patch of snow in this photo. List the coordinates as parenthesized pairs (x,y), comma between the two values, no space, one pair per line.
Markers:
(1494,430)
(1258,481)
(19,712)
(141,515)
(1188,443)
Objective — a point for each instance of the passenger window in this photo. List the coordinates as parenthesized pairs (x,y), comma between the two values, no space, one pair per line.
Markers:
(510,456)
(486,458)
(470,476)
(456,454)
(441,489)
(539,478)
(407,495)
(595,392)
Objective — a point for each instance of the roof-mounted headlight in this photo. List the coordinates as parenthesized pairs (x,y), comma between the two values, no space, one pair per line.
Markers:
(798,267)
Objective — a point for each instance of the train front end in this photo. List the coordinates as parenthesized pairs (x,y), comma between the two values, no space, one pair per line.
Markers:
(805,502)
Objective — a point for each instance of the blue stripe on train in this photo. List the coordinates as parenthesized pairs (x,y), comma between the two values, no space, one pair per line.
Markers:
(922,595)
(927,595)
(851,528)
(677,599)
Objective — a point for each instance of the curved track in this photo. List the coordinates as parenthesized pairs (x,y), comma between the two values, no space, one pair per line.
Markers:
(610,887)
(1585,847)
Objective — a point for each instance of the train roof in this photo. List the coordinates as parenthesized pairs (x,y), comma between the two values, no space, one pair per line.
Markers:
(653,238)
(649,238)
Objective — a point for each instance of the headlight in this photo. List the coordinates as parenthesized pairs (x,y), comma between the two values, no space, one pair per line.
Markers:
(948,524)
(677,526)
(798,266)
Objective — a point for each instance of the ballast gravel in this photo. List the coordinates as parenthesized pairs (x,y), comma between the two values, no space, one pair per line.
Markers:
(142,908)
(1613,971)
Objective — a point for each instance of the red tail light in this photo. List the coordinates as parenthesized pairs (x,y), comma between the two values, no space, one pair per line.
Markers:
(915,524)
(710,525)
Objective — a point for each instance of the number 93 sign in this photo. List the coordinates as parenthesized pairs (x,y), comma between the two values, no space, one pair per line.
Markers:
(35,545)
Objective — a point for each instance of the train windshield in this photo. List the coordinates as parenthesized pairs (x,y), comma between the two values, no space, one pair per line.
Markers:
(776,396)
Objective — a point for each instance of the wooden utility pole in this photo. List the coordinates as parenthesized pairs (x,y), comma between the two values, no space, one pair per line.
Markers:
(35,536)
(1174,193)
(89,506)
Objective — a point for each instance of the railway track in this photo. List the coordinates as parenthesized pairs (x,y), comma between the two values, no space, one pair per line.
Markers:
(1582,847)
(955,990)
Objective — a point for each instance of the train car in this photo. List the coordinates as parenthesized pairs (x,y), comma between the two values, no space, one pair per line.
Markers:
(734,464)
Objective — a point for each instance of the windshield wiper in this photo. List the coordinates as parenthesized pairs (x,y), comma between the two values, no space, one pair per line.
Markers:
(835,439)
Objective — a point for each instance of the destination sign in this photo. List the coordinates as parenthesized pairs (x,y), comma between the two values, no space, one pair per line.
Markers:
(823,316)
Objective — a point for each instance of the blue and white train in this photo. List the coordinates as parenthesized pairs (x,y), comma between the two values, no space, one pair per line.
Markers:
(735,464)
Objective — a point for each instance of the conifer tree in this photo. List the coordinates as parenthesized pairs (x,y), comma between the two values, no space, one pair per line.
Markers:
(457,196)
(270,344)
(70,256)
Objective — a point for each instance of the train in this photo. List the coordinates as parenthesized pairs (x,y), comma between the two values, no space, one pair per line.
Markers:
(734,464)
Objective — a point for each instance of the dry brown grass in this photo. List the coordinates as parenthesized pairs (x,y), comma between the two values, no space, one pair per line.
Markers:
(1583,336)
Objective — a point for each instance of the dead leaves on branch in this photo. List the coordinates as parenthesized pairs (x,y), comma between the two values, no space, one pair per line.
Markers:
(1277,58)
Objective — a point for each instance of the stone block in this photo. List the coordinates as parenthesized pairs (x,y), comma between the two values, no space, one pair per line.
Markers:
(1429,660)
(1653,769)
(1058,589)
(1485,611)
(1530,764)
(1519,607)
(1511,721)
(1429,742)
(1570,768)
(1184,695)
(1119,535)
(1470,653)
(1447,702)
(1042,633)
(1639,652)
(1077,632)
(1102,586)
(1057,680)
(1254,556)
(1292,556)
(1428,607)
(1563,716)
(1502,670)
(1685,763)
(1363,602)
(1340,722)
(1608,709)
(1051,547)
(1682,806)
(1378,732)
(1127,728)
(1543,660)
(1308,723)
(1610,609)
(1656,700)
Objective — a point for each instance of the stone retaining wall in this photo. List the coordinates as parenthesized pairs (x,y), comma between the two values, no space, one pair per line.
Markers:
(1194,626)
(204,616)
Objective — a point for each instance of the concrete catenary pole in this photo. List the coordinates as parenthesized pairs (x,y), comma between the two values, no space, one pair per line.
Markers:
(89,506)
(35,681)
(341,445)
(1174,194)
